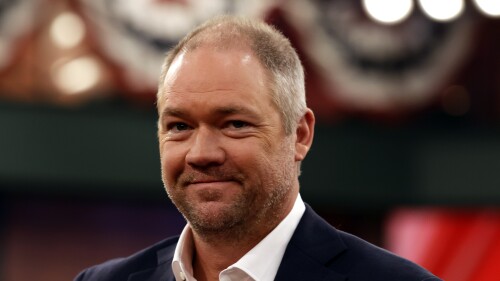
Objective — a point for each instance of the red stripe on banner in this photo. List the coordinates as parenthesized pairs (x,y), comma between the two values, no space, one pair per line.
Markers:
(479,232)
(454,245)
(489,267)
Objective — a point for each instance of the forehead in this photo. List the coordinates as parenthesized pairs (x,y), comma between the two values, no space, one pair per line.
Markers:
(204,70)
(203,64)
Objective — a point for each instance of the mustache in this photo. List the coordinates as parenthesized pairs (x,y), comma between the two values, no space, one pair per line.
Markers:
(209,175)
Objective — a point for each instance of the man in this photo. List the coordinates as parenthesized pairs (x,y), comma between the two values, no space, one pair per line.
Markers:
(233,129)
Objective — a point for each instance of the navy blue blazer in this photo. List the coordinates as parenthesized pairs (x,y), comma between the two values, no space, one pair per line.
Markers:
(317,251)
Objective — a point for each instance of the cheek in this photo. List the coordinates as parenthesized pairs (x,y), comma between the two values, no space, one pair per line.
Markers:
(245,152)
(172,163)
(257,159)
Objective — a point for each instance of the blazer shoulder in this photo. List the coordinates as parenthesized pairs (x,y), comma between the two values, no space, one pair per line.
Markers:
(322,246)
(121,268)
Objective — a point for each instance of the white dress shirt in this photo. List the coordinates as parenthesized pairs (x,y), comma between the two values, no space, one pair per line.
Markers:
(261,263)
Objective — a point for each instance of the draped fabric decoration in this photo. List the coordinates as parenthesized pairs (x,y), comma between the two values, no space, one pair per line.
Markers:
(134,35)
(373,67)
(16,22)
(17,25)
(120,50)
(355,67)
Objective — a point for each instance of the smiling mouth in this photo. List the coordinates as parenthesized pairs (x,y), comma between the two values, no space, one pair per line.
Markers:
(210,184)
(213,190)
(208,177)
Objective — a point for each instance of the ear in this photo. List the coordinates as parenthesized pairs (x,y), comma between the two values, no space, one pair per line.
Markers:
(304,134)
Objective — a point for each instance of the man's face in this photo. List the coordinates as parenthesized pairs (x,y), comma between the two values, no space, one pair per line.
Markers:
(226,161)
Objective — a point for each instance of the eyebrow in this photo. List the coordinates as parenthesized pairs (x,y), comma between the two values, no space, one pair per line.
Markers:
(229,110)
(222,111)
(173,112)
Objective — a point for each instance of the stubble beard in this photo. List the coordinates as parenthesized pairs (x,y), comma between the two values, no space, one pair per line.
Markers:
(227,222)
(206,220)
(257,207)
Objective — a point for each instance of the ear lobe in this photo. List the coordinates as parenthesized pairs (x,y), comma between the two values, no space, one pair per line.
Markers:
(304,134)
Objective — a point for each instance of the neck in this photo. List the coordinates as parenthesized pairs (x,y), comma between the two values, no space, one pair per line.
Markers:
(211,257)
(214,252)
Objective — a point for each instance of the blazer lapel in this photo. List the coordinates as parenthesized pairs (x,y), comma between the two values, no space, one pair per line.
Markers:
(163,270)
(312,247)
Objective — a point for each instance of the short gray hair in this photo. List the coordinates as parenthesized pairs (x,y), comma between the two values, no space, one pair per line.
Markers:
(273,50)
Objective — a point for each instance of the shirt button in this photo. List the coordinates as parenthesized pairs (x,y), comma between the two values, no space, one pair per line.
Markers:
(182,276)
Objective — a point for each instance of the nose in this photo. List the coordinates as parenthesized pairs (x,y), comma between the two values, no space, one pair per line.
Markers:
(205,150)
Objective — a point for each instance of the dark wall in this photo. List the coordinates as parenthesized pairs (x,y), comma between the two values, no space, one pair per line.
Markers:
(111,148)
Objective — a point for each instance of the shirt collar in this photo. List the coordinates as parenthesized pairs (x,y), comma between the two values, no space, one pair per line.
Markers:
(183,256)
(251,266)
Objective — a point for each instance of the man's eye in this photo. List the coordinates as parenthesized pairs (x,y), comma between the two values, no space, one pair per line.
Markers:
(238,124)
(178,127)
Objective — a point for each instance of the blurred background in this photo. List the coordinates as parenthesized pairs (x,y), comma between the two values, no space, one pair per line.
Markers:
(406,152)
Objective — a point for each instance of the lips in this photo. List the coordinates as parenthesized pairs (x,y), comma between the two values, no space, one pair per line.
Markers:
(212,183)
(211,190)
(200,180)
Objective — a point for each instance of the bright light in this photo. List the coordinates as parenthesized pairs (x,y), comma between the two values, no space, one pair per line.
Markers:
(77,75)
(488,7)
(67,30)
(388,11)
(442,10)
